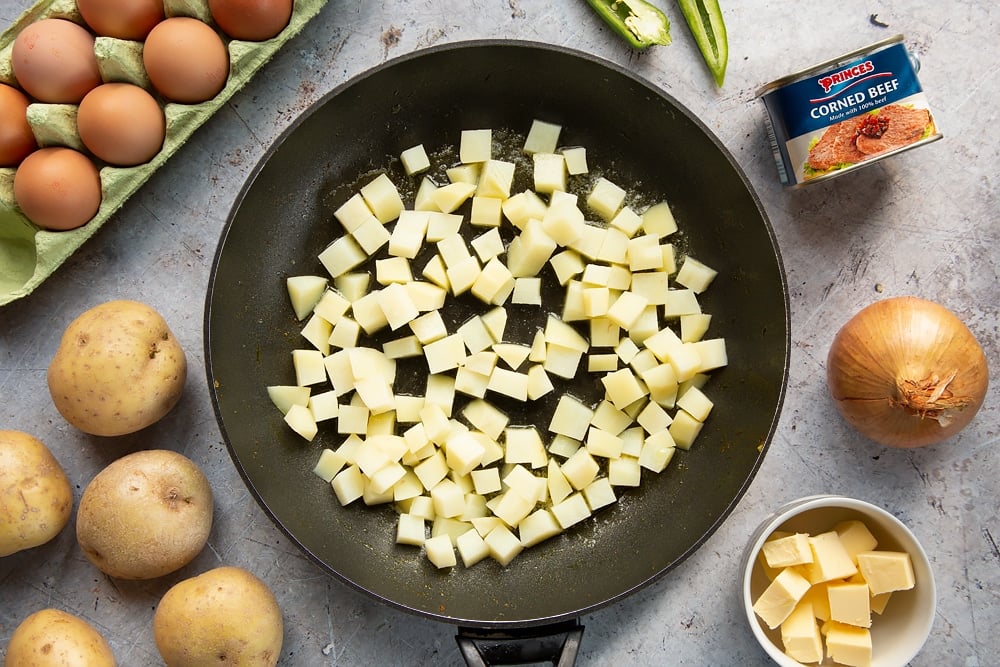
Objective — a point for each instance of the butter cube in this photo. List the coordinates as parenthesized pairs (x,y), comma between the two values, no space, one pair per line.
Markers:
(850,603)
(771,572)
(855,537)
(820,601)
(849,644)
(800,634)
(785,551)
(830,559)
(886,571)
(779,599)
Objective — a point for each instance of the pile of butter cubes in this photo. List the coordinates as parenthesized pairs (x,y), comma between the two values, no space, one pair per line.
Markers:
(824,589)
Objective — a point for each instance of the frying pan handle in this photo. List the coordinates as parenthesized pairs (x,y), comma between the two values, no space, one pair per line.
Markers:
(557,643)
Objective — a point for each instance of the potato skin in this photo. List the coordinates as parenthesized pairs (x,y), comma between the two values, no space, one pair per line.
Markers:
(145,515)
(118,369)
(54,638)
(36,499)
(225,616)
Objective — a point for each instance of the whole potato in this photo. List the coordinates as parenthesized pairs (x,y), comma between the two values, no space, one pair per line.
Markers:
(36,498)
(54,638)
(225,616)
(117,370)
(145,515)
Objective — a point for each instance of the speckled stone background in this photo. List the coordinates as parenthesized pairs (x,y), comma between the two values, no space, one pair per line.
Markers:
(925,223)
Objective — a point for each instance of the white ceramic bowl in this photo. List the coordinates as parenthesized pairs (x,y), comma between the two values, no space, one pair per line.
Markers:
(899,633)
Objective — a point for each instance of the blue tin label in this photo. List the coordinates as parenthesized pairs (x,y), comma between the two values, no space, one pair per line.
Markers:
(862,107)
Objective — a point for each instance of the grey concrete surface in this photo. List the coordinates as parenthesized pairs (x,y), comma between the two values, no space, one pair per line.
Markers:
(926,223)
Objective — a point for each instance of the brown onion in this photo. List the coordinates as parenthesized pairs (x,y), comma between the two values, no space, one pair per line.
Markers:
(907,372)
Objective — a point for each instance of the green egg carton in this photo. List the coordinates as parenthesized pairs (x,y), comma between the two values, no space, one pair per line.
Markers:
(28,254)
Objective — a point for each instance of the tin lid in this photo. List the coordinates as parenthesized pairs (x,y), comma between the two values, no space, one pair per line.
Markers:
(832,63)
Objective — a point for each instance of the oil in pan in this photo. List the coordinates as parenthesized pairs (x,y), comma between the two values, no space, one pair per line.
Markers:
(846,113)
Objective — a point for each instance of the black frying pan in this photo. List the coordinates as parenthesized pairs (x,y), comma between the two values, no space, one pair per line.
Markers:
(641,138)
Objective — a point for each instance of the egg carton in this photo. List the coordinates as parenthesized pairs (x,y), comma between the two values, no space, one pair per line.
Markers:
(29,254)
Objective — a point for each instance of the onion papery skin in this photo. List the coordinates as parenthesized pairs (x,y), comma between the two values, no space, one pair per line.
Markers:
(903,342)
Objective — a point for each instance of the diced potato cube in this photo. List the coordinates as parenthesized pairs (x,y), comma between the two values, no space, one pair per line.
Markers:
(494,283)
(632,440)
(407,487)
(644,253)
(590,241)
(599,493)
(309,368)
(341,256)
(624,471)
(300,419)
(606,198)
(695,275)
(432,471)
(627,220)
(407,236)
(543,137)
(614,247)
(524,206)
(602,363)
(488,245)
(537,527)
(285,396)
(429,327)
(524,445)
(440,551)
(527,291)
(563,222)
(495,320)
(602,443)
(580,469)
(385,478)
(448,498)
(423,199)
(695,403)
(503,545)
(397,306)
(471,547)
(368,313)
(711,354)
(549,172)
(462,276)
(415,160)
(450,527)
(305,292)
(410,529)
(571,511)
(328,465)
(684,429)
(694,326)
(464,452)
(658,219)
(486,211)
(486,480)
(570,418)
(464,173)
(475,145)
(353,213)
(486,417)
(657,451)
(530,250)
(352,286)
(566,264)
(442,225)
(349,484)
(576,160)
(382,198)
(680,302)
(627,309)
(401,348)
(376,394)
(509,383)
(653,418)
(622,388)
(495,181)
(449,197)
(352,419)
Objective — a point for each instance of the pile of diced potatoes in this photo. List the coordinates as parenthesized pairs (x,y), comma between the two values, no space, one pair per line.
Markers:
(824,589)
(461,475)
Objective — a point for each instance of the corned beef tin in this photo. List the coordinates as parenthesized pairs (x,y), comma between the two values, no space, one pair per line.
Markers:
(846,113)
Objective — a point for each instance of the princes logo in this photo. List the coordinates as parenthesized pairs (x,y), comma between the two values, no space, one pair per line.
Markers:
(847,78)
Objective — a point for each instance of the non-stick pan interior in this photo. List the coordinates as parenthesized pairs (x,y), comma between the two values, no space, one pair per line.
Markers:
(284,219)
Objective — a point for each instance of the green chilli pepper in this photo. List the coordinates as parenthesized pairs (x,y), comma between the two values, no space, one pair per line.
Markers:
(639,22)
(704,18)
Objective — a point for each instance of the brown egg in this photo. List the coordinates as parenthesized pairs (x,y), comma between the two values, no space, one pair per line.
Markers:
(54,61)
(124,19)
(16,137)
(121,124)
(251,20)
(58,188)
(186,60)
